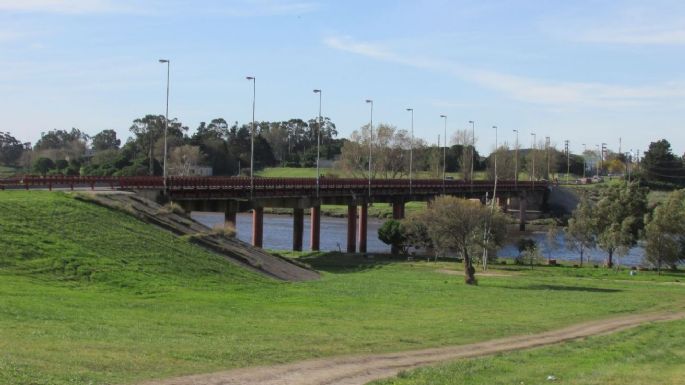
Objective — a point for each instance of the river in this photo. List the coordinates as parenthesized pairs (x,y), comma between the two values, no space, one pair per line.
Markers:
(278,232)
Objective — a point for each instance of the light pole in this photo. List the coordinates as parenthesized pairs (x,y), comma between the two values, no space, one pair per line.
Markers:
(318,144)
(444,155)
(496,148)
(473,148)
(166,116)
(516,159)
(254,97)
(411,151)
(369,101)
(547,141)
(597,162)
(584,161)
(601,155)
(534,147)
(568,160)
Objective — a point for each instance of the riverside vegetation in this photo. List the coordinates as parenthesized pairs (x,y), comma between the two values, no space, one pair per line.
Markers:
(91,295)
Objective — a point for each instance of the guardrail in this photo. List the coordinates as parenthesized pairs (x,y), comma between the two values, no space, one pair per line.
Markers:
(266,186)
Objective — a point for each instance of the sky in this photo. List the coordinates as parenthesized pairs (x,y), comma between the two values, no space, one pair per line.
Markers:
(586,71)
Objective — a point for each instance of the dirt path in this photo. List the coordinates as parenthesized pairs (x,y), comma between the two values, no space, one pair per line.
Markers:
(358,370)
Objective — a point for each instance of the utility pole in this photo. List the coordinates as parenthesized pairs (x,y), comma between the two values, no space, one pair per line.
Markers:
(547,150)
(602,154)
(516,160)
(568,160)
(584,162)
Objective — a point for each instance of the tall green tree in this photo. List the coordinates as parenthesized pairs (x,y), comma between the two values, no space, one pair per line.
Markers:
(149,129)
(619,217)
(10,149)
(660,164)
(665,232)
(106,140)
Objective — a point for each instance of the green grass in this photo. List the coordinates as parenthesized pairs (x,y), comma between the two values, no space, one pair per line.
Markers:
(6,171)
(291,172)
(650,354)
(90,295)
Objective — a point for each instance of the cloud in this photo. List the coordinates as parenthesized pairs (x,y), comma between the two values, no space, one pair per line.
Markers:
(526,89)
(63,6)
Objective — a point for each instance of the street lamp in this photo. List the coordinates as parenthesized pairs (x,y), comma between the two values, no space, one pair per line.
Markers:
(318,144)
(473,148)
(411,150)
(254,97)
(584,160)
(496,147)
(534,139)
(444,155)
(369,101)
(516,159)
(166,116)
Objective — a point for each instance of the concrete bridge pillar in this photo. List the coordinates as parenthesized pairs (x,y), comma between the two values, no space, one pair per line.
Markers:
(315,228)
(351,228)
(363,223)
(230,212)
(298,228)
(522,213)
(257,226)
(398,210)
(503,204)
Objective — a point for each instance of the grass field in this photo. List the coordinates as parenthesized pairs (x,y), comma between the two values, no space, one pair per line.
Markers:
(647,355)
(89,295)
(6,172)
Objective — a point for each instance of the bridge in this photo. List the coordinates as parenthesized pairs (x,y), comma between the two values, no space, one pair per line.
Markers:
(231,195)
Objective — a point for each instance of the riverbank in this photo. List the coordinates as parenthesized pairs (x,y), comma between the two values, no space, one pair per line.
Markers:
(93,296)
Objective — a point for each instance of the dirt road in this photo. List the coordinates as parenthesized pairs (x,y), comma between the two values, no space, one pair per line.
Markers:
(358,370)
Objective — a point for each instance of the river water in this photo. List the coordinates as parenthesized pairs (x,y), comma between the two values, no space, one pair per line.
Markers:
(278,233)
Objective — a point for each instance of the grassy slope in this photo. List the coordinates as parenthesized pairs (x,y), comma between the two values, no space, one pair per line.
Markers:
(650,354)
(91,295)
(6,171)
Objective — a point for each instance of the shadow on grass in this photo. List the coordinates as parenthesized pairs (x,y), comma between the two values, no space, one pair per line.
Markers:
(335,262)
(588,289)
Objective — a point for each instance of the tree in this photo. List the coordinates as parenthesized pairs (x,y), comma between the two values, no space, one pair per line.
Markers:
(10,149)
(528,252)
(390,152)
(149,129)
(551,240)
(455,224)
(43,166)
(392,233)
(619,216)
(665,232)
(183,158)
(580,232)
(106,140)
(60,139)
(660,164)
(416,232)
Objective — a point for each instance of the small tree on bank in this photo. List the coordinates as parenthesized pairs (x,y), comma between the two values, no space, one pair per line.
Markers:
(392,233)
(454,224)
(665,232)
(580,233)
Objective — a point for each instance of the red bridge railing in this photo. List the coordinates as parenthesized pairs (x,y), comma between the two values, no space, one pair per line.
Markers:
(240,186)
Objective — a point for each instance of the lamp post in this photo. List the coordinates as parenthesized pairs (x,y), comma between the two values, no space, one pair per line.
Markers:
(411,151)
(534,147)
(473,148)
(444,156)
(369,101)
(254,97)
(496,147)
(318,145)
(166,117)
(547,142)
(584,161)
(597,162)
(516,159)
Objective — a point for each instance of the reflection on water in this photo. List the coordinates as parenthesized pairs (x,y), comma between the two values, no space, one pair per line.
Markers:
(278,233)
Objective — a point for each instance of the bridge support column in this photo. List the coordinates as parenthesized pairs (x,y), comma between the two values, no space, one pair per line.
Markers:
(257,226)
(503,204)
(363,223)
(351,228)
(230,214)
(398,210)
(522,213)
(298,228)
(315,227)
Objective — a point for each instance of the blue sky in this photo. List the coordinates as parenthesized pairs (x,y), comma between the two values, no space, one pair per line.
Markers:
(586,71)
